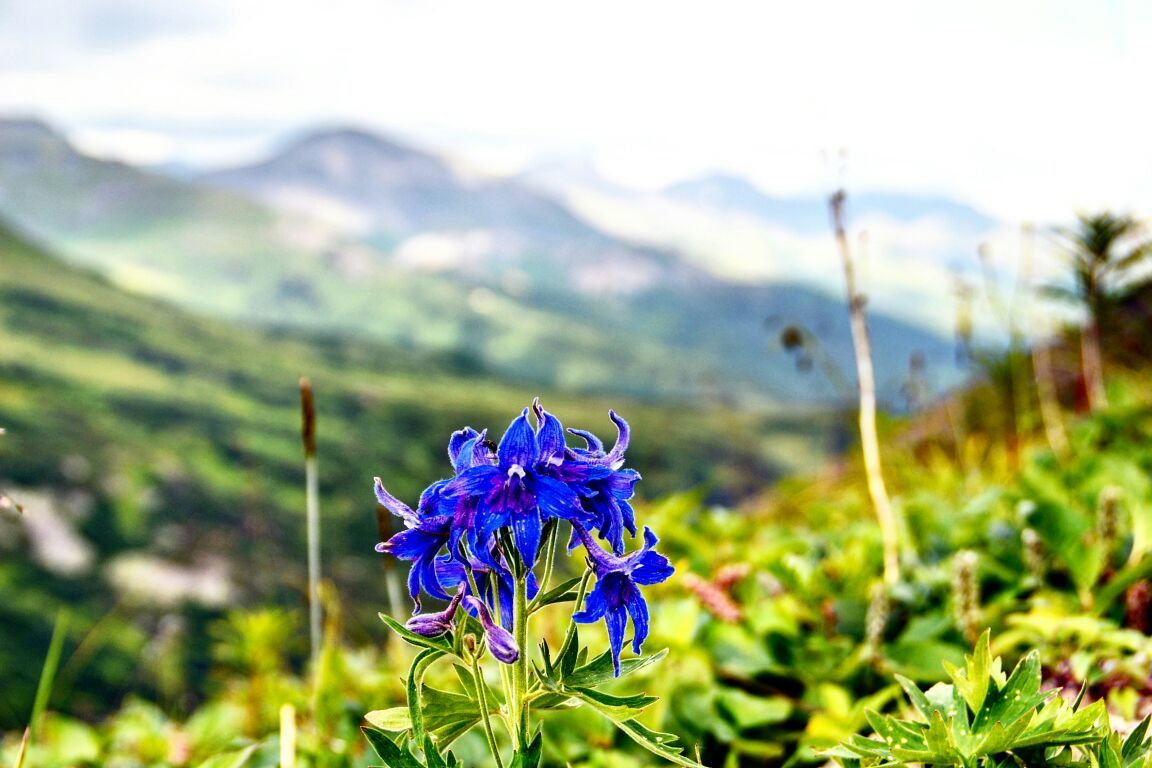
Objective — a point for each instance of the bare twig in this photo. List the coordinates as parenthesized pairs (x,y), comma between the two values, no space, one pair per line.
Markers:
(866,386)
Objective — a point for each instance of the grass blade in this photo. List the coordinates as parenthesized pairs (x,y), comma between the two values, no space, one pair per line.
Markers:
(48,671)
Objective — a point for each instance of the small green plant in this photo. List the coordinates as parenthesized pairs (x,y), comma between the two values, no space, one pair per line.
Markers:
(986,719)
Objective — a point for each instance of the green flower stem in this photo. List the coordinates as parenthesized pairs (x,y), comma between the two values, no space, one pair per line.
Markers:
(518,702)
(485,713)
(549,559)
(581,591)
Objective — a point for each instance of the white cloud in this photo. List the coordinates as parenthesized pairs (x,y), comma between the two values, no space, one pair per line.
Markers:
(1028,109)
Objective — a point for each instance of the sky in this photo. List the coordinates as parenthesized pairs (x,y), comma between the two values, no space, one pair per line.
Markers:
(1027,110)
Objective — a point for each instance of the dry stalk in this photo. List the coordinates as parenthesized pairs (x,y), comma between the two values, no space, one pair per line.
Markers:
(866,387)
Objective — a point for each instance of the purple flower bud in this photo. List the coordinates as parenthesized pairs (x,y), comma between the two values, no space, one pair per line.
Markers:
(433,624)
(500,640)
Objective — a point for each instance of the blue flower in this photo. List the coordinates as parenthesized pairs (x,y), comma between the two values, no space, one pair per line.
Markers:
(515,492)
(421,541)
(434,624)
(500,641)
(604,485)
(434,523)
(616,595)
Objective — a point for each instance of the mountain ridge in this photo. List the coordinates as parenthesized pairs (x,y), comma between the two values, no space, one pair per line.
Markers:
(573,307)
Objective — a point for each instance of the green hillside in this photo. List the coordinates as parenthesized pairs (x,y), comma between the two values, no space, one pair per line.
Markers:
(541,296)
(161,437)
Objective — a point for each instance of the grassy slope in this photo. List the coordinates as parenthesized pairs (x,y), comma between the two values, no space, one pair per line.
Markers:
(187,433)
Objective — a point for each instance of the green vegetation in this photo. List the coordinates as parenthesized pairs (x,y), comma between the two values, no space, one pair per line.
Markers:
(161,435)
(172,441)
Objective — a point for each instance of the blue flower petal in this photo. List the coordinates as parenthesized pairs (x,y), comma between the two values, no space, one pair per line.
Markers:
(457,441)
(652,568)
(518,445)
(550,436)
(615,620)
(526,532)
(394,505)
(475,481)
(556,499)
(595,445)
(638,610)
(595,606)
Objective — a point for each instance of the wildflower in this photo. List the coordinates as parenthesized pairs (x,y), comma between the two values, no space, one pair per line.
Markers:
(434,524)
(616,596)
(604,485)
(433,624)
(420,542)
(514,492)
(500,640)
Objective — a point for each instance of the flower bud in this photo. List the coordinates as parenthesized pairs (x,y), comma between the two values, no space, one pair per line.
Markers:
(966,594)
(500,640)
(433,624)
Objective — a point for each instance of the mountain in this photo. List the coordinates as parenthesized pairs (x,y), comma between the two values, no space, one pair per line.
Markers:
(919,248)
(157,456)
(731,193)
(349,232)
(387,193)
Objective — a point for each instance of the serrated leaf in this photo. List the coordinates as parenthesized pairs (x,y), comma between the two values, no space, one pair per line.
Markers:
(660,744)
(1000,737)
(972,681)
(938,739)
(448,716)
(1021,694)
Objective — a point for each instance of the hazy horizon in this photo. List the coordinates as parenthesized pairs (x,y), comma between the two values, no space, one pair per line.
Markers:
(977,104)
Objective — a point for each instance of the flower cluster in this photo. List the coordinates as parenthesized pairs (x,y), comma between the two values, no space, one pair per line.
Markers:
(476,532)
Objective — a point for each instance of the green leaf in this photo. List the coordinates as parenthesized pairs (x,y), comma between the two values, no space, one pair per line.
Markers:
(432,755)
(440,643)
(918,699)
(447,716)
(393,755)
(394,719)
(569,653)
(615,708)
(561,594)
(746,711)
(972,681)
(420,665)
(1019,696)
(600,670)
(531,756)
(938,739)
(236,759)
(1134,746)
(660,744)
